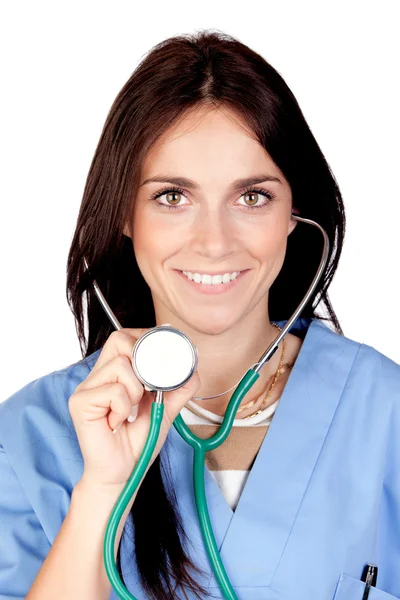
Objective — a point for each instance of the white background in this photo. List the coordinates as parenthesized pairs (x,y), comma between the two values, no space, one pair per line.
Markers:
(64,63)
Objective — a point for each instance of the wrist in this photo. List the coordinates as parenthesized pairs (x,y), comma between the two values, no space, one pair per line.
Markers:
(86,487)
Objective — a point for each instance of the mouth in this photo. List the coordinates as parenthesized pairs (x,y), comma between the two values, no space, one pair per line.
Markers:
(211,289)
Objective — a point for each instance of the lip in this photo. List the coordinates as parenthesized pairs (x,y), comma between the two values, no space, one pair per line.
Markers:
(221,288)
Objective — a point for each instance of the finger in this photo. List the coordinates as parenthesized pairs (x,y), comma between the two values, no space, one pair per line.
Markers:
(87,406)
(119,343)
(177,399)
(117,370)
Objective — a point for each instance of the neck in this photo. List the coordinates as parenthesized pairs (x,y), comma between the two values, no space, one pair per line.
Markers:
(225,356)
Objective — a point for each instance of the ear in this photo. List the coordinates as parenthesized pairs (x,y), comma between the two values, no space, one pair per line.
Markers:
(293,222)
(126,231)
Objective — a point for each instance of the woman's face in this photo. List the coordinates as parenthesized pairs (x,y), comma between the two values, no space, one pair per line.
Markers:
(211,227)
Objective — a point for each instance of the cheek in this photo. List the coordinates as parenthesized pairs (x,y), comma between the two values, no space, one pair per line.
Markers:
(148,225)
(268,243)
(152,241)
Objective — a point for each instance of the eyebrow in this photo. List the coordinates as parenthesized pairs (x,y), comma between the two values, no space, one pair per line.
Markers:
(235,186)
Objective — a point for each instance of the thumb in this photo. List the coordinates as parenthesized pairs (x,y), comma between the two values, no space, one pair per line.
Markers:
(176,399)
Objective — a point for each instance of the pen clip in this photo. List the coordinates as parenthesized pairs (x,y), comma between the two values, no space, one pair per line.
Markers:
(369,577)
(370,574)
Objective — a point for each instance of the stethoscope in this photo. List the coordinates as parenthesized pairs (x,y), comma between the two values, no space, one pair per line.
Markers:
(164,359)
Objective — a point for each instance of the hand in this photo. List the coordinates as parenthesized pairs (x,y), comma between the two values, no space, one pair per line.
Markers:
(105,400)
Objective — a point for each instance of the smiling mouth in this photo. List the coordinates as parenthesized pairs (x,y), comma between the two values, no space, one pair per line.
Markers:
(211,278)
(212,288)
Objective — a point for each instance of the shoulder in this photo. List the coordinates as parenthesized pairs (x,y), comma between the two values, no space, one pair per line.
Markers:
(369,373)
(39,411)
(378,371)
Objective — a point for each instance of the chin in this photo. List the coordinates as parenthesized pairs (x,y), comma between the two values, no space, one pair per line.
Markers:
(210,326)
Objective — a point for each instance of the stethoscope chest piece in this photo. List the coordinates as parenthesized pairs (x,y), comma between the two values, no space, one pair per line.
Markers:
(164,358)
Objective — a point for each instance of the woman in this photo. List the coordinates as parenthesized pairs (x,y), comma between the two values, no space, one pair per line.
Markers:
(203,159)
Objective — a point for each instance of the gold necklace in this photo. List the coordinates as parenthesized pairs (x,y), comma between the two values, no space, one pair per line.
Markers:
(279,371)
(277,375)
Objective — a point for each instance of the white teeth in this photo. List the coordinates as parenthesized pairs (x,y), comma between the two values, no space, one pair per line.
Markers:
(211,279)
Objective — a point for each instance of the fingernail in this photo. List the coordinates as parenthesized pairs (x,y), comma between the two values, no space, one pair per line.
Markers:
(118,427)
(133,415)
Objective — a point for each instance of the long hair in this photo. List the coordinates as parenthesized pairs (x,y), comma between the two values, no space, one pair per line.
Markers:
(178,74)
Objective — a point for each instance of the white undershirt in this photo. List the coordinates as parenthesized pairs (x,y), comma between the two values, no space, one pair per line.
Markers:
(230,481)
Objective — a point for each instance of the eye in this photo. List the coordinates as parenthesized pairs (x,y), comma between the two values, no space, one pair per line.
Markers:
(254,193)
(169,192)
(173,194)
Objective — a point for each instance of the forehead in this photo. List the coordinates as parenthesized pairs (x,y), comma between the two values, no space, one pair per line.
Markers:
(203,119)
(208,139)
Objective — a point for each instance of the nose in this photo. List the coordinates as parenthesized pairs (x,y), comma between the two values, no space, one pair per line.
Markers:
(214,233)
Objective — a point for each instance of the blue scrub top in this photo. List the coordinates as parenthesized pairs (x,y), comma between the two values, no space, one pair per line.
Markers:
(322,498)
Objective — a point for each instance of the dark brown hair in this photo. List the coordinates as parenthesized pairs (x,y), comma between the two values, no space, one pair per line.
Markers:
(178,74)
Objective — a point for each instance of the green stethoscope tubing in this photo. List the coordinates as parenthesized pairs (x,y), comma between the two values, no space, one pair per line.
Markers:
(200,447)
